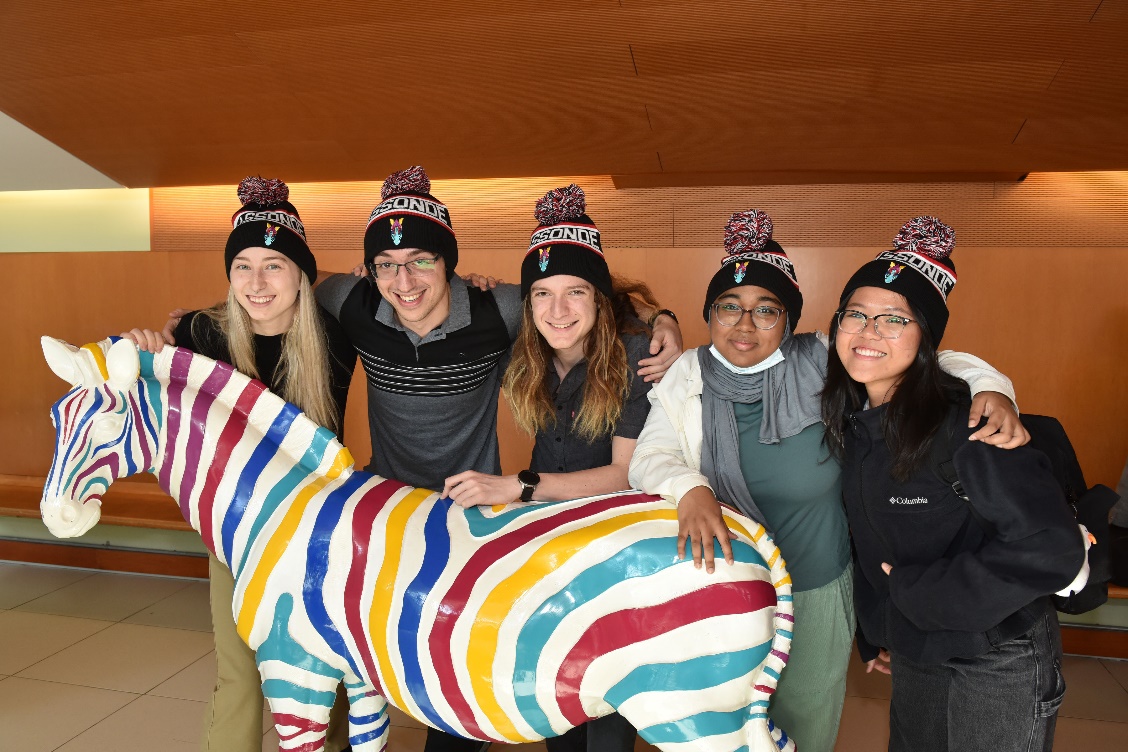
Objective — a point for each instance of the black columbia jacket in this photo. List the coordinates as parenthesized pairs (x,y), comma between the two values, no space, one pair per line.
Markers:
(955,590)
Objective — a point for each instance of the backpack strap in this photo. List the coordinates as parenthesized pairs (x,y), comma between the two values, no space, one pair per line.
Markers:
(945,466)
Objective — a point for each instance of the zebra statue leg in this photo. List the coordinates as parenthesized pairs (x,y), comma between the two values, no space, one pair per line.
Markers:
(300,687)
(369,722)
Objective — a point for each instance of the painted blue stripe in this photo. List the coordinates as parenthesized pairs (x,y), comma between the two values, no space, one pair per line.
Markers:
(640,559)
(784,632)
(435,558)
(245,486)
(317,564)
(80,435)
(275,688)
(696,726)
(281,491)
(368,736)
(696,673)
(366,719)
(785,598)
(59,460)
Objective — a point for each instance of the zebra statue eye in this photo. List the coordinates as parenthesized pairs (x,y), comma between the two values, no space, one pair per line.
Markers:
(108,428)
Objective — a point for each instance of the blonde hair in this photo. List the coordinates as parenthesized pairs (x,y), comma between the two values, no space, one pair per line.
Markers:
(303,369)
(608,372)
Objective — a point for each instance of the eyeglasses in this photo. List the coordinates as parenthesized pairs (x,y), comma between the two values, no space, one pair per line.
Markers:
(419,267)
(885,325)
(730,314)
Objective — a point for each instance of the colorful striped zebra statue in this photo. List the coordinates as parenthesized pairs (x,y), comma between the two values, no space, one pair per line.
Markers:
(507,624)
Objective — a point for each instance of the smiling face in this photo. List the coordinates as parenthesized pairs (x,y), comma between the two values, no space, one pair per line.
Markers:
(871,360)
(421,302)
(266,285)
(744,345)
(564,310)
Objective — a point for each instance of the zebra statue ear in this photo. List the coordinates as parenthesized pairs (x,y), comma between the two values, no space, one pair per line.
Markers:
(62,359)
(123,365)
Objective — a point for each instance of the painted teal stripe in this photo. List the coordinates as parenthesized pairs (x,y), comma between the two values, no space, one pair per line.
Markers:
(152,387)
(482,526)
(696,727)
(280,646)
(696,673)
(785,598)
(784,632)
(641,559)
(771,672)
(276,688)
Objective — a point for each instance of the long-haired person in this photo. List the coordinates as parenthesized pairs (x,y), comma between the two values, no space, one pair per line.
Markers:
(572,382)
(954,589)
(269,327)
(740,420)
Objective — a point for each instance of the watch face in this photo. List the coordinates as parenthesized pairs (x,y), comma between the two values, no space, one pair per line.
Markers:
(528,477)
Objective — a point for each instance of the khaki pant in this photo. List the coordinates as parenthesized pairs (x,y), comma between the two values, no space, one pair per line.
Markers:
(233,719)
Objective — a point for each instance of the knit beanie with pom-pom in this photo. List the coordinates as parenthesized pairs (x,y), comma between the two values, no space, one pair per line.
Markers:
(752,257)
(565,242)
(267,219)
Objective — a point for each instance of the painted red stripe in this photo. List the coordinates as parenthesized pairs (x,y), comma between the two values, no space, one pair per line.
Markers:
(366,510)
(142,433)
(303,725)
(630,626)
(177,378)
(229,438)
(455,599)
(197,424)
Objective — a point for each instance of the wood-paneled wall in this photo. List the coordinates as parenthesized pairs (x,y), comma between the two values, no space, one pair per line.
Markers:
(1043,267)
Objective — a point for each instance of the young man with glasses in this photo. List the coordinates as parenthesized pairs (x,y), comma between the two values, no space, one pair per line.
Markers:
(431,347)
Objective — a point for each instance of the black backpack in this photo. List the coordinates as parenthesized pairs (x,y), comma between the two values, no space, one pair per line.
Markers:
(1091,506)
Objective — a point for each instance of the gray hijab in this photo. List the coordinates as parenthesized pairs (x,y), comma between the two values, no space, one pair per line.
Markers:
(790,393)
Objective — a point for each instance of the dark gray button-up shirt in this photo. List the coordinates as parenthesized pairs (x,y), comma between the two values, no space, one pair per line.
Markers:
(557,448)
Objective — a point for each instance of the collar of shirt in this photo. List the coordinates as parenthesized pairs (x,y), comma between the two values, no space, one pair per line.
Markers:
(458,318)
(573,380)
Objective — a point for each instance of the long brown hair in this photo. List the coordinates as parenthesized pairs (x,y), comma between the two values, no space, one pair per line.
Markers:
(303,369)
(608,372)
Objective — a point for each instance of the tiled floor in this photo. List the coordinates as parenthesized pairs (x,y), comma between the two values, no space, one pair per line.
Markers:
(99,662)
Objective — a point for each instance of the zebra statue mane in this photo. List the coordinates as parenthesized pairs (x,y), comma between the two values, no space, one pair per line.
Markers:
(508,624)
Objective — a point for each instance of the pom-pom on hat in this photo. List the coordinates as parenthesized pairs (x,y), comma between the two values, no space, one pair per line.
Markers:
(267,219)
(565,242)
(920,267)
(408,216)
(752,257)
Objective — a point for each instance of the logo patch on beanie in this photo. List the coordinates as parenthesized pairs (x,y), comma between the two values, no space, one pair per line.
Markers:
(893,271)
(397,229)
(271,233)
(942,278)
(741,268)
(543,256)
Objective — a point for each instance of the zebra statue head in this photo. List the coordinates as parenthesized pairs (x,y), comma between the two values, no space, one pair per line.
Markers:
(103,430)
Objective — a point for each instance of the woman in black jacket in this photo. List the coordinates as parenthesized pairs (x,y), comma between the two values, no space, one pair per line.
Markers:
(956,598)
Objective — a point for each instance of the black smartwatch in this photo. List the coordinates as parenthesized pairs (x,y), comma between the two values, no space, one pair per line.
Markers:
(529,482)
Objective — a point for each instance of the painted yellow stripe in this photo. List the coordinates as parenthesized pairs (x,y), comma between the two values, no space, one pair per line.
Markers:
(785,581)
(279,540)
(380,615)
(501,600)
(99,359)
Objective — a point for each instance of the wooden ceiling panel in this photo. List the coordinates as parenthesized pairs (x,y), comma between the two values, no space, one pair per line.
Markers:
(203,91)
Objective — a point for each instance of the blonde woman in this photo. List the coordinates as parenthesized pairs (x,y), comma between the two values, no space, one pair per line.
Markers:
(269,327)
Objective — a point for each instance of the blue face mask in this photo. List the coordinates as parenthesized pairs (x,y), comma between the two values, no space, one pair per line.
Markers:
(773,359)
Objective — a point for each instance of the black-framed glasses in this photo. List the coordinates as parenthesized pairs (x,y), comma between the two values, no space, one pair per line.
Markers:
(886,325)
(763,316)
(419,267)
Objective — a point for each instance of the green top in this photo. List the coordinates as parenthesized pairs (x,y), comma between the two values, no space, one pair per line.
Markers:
(798,487)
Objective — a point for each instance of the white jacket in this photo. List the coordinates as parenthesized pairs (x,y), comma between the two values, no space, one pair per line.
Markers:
(667,456)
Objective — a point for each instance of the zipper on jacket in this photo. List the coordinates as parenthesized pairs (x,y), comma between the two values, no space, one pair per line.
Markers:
(861,495)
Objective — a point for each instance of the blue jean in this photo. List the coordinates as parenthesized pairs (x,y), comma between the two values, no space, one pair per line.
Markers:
(1005,700)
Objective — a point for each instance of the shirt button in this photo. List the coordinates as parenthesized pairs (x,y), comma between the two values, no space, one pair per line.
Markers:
(561,468)
(560,407)
(558,439)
